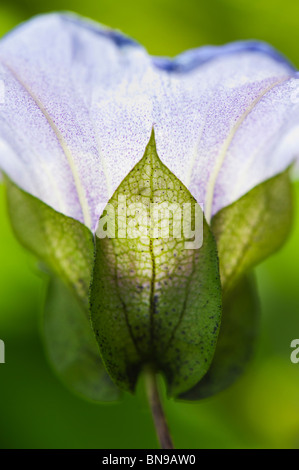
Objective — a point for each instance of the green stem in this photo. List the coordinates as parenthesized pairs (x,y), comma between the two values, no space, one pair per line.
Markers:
(158,415)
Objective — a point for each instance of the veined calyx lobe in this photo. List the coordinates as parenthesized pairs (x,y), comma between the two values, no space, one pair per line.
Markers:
(156,295)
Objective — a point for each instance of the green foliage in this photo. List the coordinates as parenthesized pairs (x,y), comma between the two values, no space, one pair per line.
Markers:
(152,299)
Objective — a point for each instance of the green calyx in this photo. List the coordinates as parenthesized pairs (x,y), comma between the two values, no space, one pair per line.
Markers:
(146,289)
(155,298)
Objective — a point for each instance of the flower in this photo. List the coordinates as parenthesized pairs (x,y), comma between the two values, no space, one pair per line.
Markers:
(87,116)
(81,101)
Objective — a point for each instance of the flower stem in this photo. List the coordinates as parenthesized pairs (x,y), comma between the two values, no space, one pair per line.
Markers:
(158,415)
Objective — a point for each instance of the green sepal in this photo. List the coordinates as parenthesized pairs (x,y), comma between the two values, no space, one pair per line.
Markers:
(253,228)
(66,248)
(63,244)
(71,345)
(154,300)
(236,340)
(247,231)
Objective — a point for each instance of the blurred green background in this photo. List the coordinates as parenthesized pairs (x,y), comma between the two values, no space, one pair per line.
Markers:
(262,409)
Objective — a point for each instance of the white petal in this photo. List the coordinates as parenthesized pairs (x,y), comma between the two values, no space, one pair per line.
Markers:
(71,119)
(80,102)
(229,124)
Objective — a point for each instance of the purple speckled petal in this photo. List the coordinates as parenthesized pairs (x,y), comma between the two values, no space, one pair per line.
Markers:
(81,100)
(228,124)
(76,118)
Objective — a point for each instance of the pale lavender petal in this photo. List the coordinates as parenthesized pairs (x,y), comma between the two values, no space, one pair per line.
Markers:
(81,100)
(75,116)
(227,125)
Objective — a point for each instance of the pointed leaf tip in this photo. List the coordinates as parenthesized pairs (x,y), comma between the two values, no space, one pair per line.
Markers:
(152,299)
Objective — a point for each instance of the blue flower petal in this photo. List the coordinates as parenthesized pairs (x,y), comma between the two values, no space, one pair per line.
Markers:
(81,100)
(190,60)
